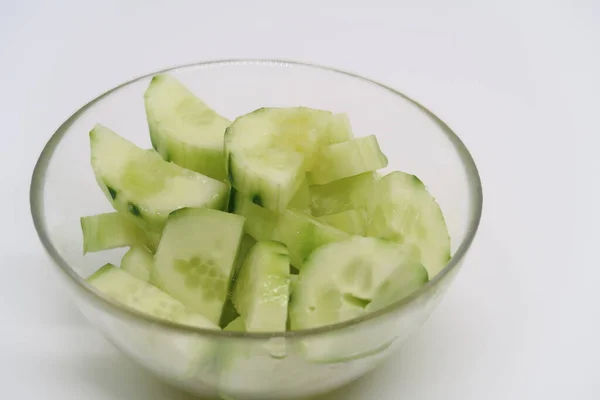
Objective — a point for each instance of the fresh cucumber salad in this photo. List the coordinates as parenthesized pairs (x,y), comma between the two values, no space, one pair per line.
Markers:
(270,221)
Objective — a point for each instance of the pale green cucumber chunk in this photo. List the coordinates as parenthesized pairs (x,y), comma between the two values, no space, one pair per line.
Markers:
(346,159)
(347,279)
(112,230)
(269,150)
(141,183)
(402,210)
(301,200)
(183,129)
(299,231)
(345,194)
(143,297)
(138,261)
(196,257)
(260,222)
(262,288)
(351,221)
(237,325)
(339,129)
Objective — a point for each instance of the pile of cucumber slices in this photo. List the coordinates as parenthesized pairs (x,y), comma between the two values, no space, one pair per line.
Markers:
(277,220)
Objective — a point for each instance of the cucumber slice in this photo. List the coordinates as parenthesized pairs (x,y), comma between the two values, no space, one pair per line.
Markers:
(351,221)
(300,232)
(237,325)
(361,276)
(138,262)
(301,200)
(402,210)
(339,129)
(112,230)
(262,287)
(195,258)
(269,150)
(141,296)
(346,159)
(183,129)
(141,183)
(345,194)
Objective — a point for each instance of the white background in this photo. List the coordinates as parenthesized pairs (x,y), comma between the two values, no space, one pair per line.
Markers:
(518,81)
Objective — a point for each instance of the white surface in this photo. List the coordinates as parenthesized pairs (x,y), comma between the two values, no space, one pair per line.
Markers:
(517,81)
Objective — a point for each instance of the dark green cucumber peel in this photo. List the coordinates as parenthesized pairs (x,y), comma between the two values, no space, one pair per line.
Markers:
(112,192)
(231,202)
(134,210)
(257,200)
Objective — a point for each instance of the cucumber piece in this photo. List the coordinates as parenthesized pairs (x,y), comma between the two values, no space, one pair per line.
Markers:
(269,150)
(138,262)
(402,210)
(141,296)
(351,221)
(262,287)
(183,129)
(300,232)
(339,129)
(342,195)
(293,282)
(195,258)
(237,325)
(246,245)
(112,230)
(346,159)
(361,276)
(260,222)
(301,200)
(141,183)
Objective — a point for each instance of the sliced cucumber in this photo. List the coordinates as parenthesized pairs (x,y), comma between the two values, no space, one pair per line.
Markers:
(351,221)
(301,200)
(246,245)
(361,276)
(138,262)
(237,325)
(262,288)
(300,232)
(346,159)
(183,129)
(269,150)
(141,296)
(141,183)
(112,230)
(402,210)
(339,129)
(195,258)
(303,234)
(345,194)
(260,222)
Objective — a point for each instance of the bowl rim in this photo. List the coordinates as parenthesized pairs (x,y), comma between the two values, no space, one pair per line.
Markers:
(37,211)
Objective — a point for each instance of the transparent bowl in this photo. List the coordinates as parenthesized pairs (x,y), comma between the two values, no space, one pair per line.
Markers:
(255,366)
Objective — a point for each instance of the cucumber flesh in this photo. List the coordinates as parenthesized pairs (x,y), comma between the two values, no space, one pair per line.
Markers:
(342,195)
(351,221)
(339,129)
(300,232)
(261,290)
(361,276)
(301,200)
(183,129)
(141,296)
(269,150)
(196,257)
(138,261)
(141,183)
(237,325)
(346,159)
(402,210)
(112,230)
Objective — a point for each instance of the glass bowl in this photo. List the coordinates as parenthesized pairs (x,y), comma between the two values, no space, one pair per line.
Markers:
(262,366)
